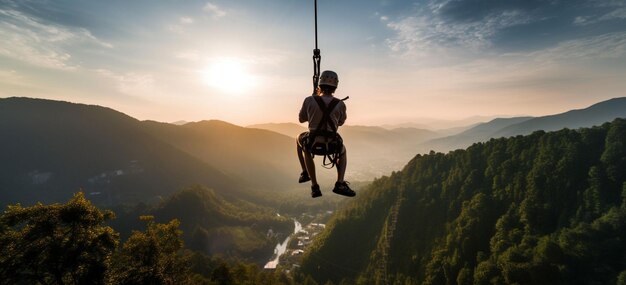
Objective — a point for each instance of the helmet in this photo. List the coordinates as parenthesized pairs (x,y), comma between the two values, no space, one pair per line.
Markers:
(329,78)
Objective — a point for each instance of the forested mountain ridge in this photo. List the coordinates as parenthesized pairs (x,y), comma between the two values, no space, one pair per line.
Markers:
(547,208)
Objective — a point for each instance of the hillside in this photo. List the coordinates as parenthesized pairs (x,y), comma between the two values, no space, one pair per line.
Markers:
(591,116)
(289,129)
(52,149)
(548,208)
(261,158)
(213,225)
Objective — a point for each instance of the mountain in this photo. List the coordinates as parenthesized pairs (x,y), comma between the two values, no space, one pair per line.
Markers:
(179,123)
(289,129)
(591,116)
(479,133)
(594,115)
(258,157)
(547,208)
(51,149)
(59,147)
(439,124)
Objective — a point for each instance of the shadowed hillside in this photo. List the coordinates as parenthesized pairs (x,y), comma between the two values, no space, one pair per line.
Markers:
(50,149)
(259,157)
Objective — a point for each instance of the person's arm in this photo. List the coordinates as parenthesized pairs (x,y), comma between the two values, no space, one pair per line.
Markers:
(303,116)
(342,114)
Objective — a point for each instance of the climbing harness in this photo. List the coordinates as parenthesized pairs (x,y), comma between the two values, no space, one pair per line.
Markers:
(325,140)
(317,57)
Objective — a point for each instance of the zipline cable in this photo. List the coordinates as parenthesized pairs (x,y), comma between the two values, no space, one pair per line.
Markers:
(317,58)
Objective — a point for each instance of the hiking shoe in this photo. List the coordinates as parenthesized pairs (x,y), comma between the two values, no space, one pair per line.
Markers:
(342,188)
(304,177)
(315,191)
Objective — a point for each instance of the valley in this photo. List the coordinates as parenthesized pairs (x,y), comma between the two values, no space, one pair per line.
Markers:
(225,184)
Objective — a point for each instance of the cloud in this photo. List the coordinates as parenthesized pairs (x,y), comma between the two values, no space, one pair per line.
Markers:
(480,27)
(612,45)
(186,20)
(41,44)
(415,34)
(616,14)
(215,11)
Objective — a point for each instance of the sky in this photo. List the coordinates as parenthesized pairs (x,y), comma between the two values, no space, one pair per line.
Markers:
(249,62)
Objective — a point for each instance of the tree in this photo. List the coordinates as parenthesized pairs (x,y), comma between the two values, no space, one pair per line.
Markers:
(56,244)
(152,257)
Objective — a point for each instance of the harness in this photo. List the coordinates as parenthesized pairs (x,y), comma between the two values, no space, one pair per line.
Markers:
(321,141)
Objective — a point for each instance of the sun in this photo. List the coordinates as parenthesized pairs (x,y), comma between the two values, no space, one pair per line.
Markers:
(229,75)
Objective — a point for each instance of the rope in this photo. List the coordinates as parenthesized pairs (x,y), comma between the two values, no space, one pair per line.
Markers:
(317,58)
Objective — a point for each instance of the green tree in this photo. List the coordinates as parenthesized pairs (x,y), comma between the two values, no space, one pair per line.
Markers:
(621,278)
(56,244)
(152,257)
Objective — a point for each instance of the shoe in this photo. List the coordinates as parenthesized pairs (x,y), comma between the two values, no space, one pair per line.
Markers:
(304,177)
(315,191)
(342,188)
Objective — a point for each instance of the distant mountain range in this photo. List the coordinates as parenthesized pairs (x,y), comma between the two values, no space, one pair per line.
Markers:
(594,115)
(54,148)
(51,149)
(439,124)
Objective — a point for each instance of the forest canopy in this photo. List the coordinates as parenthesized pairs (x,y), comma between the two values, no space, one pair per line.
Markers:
(547,208)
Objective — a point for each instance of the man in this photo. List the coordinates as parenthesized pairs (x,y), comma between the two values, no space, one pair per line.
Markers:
(326,127)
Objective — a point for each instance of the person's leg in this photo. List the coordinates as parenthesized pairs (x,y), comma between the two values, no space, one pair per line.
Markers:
(300,142)
(342,163)
(341,186)
(310,167)
(300,155)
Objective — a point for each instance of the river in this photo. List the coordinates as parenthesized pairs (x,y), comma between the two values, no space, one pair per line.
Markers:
(282,247)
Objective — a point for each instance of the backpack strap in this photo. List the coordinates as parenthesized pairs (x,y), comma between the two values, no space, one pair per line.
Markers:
(326,114)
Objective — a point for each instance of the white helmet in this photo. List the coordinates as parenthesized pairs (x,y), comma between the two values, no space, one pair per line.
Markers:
(329,78)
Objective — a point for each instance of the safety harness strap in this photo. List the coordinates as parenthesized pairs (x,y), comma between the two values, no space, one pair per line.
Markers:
(326,114)
(330,159)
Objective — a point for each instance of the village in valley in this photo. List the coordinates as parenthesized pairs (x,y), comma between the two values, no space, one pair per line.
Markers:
(298,243)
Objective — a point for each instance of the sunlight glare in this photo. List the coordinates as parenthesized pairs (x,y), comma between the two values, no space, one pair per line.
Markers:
(228,75)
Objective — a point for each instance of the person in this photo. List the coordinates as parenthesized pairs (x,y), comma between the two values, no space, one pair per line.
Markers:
(313,113)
